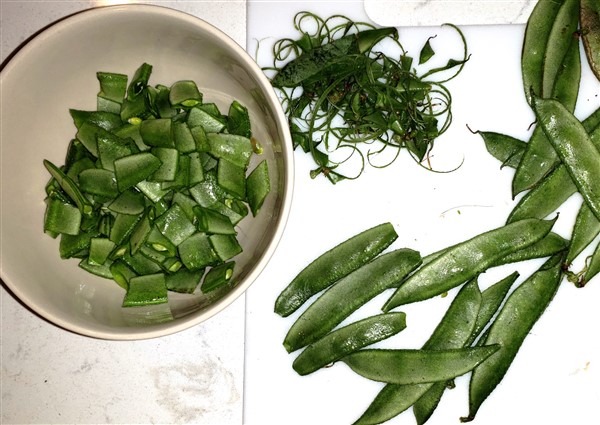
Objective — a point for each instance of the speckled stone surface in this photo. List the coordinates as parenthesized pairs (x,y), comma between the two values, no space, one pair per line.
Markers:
(458,12)
(51,376)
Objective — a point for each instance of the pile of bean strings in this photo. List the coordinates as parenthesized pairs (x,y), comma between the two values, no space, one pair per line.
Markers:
(340,94)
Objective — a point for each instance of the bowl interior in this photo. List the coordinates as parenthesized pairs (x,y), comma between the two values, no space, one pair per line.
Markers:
(56,71)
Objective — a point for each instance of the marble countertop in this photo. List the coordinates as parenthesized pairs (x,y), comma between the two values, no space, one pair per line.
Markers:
(52,376)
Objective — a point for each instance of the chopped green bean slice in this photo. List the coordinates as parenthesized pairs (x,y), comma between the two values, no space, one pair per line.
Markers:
(184,281)
(183,137)
(106,120)
(226,246)
(70,188)
(146,290)
(213,222)
(232,178)
(175,225)
(258,187)
(113,86)
(102,270)
(199,118)
(239,120)
(182,177)
(185,93)
(133,169)
(129,202)
(217,277)
(73,245)
(121,273)
(140,233)
(157,133)
(152,190)
(98,181)
(196,252)
(169,158)
(237,149)
(100,249)
(196,172)
(62,217)
(122,227)
(111,148)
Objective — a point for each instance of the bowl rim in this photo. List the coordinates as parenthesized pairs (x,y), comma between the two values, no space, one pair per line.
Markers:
(202,315)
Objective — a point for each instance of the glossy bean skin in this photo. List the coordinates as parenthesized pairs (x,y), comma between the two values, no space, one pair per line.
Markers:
(516,318)
(466,260)
(453,330)
(333,265)
(574,147)
(348,294)
(405,367)
(549,245)
(348,339)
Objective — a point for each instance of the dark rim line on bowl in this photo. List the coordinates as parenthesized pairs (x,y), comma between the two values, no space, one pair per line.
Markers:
(158,330)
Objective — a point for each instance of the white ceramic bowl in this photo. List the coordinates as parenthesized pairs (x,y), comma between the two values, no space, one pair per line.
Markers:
(56,71)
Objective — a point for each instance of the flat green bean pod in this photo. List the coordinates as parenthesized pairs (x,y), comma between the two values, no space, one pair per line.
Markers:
(417,366)
(453,330)
(348,294)
(545,197)
(556,58)
(333,265)
(506,149)
(509,150)
(549,245)
(466,260)
(348,339)
(574,147)
(561,74)
(556,187)
(520,312)
(535,44)
(392,400)
(491,299)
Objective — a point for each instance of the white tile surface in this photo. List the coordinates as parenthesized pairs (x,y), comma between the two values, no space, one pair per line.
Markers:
(52,376)
(554,379)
